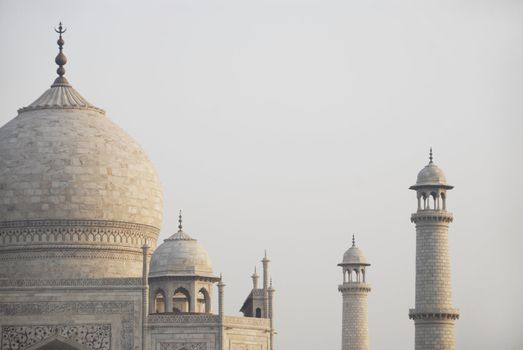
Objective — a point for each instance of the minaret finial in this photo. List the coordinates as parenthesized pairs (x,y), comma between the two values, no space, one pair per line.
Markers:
(430,156)
(180,226)
(353,241)
(60,59)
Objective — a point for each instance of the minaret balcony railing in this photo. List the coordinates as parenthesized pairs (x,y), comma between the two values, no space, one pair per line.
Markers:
(431,215)
(434,314)
(354,287)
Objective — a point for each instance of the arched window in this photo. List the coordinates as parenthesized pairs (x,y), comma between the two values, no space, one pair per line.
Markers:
(203,301)
(159,302)
(181,300)
(258,312)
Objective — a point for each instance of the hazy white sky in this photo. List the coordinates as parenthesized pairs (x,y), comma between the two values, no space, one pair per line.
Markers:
(289,125)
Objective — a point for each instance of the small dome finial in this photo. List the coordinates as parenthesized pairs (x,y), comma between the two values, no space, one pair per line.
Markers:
(430,156)
(180,226)
(60,59)
(353,241)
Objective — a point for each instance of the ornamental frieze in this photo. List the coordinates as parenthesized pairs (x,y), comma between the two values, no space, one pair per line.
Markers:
(99,231)
(182,346)
(81,282)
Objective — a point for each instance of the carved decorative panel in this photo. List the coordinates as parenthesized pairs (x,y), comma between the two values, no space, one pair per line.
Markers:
(182,346)
(241,346)
(125,309)
(92,336)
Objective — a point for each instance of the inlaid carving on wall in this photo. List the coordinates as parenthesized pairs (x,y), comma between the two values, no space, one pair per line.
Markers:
(241,346)
(182,346)
(92,336)
(125,309)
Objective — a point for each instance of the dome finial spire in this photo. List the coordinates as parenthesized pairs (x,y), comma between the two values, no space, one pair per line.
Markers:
(60,59)
(180,226)
(430,156)
(353,241)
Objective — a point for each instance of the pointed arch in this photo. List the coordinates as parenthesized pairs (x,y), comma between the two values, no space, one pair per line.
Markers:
(159,301)
(57,343)
(181,300)
(203,301)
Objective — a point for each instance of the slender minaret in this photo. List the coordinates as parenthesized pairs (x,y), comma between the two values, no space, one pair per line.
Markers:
(354,332)
(265,262)
(434,314)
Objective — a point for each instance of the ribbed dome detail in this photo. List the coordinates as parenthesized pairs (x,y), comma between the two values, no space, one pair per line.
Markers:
(61,96)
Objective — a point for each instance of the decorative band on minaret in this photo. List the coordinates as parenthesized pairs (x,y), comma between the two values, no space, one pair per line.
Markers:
(354,291)
(433,314)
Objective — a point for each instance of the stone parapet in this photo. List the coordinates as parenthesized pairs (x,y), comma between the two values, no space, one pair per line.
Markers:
(183,319)
(249,322)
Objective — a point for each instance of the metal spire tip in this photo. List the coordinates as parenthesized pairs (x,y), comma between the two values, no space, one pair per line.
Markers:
(180,226)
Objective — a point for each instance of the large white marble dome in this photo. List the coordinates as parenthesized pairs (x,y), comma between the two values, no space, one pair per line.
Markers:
(62,158)
(76,192)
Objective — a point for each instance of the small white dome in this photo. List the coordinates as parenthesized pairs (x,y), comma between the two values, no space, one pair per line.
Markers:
(180,255)
(431,175)
(354,255)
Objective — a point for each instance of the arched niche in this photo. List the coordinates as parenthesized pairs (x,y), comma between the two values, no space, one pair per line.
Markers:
(203,301)
(181,300)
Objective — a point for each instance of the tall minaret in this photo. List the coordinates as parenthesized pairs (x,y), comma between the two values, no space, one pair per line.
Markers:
(434,314)
(354,333)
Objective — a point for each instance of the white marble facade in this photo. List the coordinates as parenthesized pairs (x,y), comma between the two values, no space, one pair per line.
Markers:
(80,215)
